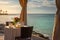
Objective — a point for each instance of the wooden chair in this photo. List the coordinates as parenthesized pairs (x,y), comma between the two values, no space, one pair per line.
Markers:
(26,33)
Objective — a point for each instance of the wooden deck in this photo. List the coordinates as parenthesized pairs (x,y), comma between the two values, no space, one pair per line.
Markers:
(1,37)
(33,38)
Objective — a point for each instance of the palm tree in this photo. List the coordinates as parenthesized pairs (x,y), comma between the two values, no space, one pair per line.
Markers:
(6,12)
(0,11)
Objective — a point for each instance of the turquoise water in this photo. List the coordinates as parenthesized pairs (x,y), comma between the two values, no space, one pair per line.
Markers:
(43,23)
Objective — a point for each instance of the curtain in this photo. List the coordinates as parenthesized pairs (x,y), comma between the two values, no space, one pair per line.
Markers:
(23,15)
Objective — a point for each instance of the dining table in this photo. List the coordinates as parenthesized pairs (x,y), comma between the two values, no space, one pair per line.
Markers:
(11,33)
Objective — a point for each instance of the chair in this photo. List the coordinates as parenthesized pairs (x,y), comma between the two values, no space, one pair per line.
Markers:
(2,26)
(7,23)
(26,33)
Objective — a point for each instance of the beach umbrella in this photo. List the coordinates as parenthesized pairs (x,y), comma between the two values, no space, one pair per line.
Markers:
(23,15)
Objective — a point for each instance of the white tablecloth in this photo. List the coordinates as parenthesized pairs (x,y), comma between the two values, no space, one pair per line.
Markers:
(11,33)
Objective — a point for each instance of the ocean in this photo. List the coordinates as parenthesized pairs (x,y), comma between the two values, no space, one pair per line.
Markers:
(42,23)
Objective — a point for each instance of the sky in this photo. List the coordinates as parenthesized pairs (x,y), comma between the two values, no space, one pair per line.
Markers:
(33,6)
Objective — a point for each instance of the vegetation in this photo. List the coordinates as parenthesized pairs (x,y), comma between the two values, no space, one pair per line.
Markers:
(3,12)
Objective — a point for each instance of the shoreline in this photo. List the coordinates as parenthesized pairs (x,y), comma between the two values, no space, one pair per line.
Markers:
(40,35)
(3,14)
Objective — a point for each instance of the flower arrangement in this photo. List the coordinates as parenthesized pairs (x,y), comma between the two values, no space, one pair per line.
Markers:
(15,23)
(16,19)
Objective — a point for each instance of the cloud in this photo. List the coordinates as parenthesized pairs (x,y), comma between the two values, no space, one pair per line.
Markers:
(43,10)
(3,2)
(41,6)
(34,3)
(48,3)
(40,3)
(10,6)
(34,6)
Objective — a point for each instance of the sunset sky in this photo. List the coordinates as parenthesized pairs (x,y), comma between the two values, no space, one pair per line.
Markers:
(33,6)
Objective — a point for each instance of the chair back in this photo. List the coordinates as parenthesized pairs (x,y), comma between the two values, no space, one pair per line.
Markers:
(26,32)
(7,23)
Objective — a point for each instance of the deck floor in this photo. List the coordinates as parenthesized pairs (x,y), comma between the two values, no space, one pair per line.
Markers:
(1,37)
(33,38)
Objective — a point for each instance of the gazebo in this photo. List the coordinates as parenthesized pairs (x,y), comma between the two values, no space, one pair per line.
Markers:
(23,18)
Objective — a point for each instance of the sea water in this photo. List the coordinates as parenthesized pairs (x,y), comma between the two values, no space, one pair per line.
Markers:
(42,23)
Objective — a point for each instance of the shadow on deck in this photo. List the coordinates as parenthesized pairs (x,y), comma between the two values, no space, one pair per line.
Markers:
(33,38)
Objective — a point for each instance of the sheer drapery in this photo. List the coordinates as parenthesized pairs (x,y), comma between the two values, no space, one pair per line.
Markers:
(23,15)
(56,33)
